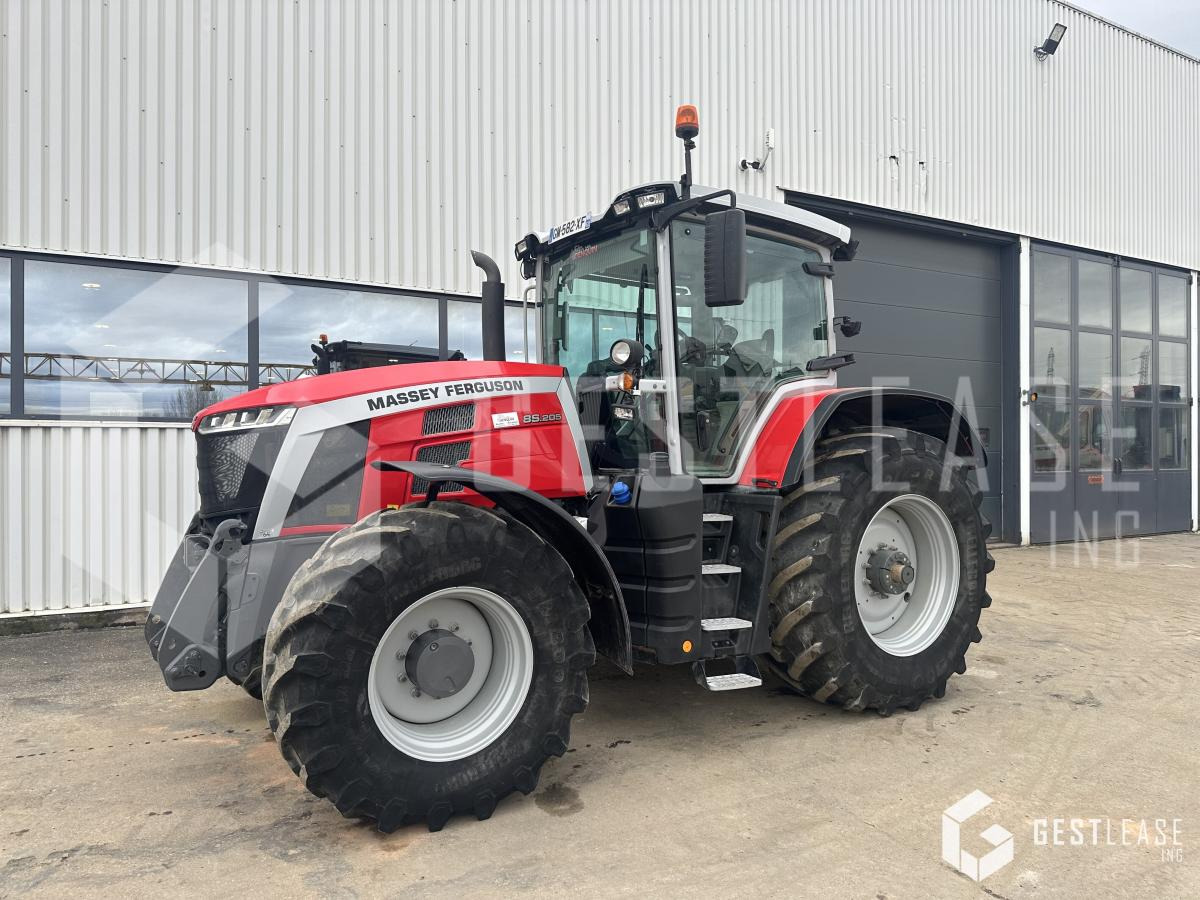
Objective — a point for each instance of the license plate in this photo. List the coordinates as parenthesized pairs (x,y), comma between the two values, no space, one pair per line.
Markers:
(570,227)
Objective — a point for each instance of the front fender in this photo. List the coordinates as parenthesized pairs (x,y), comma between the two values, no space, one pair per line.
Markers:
(610,620)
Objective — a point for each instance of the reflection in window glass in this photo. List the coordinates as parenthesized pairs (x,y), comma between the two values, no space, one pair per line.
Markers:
(1051,287)
(291,316)
(1051,360)
(1135,435)
(1093,427)
(514,344)
(1136,369)
(108,341)
(1172,370)
(5,337)
(1173,443)
(1095,364)
(464,328)
(1051,435)
(1095,294)
(1135,300)
(1172,306)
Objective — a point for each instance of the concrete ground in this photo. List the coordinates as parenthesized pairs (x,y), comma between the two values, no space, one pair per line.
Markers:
(1080,702)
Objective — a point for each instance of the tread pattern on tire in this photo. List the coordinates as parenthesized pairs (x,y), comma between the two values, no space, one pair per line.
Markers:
(813,612)
(326,628)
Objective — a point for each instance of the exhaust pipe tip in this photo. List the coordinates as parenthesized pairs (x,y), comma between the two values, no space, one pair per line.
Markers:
(492,307)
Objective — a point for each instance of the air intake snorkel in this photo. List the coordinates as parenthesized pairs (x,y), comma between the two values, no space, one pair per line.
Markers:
(493,306)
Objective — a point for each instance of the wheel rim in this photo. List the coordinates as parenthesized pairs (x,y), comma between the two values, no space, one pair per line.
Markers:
(403,698)
(905,612)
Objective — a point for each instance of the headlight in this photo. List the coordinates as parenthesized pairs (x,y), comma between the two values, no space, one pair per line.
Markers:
(626,353)
(658,198)
(263,417)
(621,207)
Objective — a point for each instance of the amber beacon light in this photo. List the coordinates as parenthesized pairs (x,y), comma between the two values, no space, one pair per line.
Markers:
(687,122)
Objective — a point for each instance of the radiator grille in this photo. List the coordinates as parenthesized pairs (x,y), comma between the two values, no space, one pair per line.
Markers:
(233,469)
(449,418)
(442,455)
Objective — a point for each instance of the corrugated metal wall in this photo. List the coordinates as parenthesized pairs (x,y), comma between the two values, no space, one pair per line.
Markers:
(90,514)
(378,141)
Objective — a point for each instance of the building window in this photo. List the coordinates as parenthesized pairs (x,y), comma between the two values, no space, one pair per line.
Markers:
(122,342)
(1051,287)
(292,316)
(1135,300)
(5,335)
(1172,306)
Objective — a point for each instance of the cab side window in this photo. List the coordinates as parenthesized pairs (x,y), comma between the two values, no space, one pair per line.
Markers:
(731,358)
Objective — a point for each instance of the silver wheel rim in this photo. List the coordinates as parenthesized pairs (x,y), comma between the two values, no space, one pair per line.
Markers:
(449,728)
(907,622)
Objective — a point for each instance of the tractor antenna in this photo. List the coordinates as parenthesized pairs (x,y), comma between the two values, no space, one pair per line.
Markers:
(687,126)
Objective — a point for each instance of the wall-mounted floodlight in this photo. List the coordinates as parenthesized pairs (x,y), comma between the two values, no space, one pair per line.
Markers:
(1051,43)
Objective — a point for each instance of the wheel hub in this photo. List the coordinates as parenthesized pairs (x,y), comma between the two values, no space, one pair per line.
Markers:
(890,571)
(439,663)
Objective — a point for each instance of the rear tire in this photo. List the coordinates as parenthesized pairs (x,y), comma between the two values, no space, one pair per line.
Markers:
(828,641)
(331,636)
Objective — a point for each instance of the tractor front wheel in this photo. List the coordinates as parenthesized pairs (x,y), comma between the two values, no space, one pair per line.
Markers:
(426,662)
(879,572)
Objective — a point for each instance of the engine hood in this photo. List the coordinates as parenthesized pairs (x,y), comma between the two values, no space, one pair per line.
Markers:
(324,388)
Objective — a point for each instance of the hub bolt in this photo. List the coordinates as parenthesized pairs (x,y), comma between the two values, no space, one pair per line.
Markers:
(454,627)
(416,693)
(412,635)
(402,678)
(433,623)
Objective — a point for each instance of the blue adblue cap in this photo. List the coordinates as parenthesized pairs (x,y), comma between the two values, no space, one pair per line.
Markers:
(621,493)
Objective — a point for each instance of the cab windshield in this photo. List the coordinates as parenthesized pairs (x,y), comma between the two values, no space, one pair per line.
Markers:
(596,293)
(592,294)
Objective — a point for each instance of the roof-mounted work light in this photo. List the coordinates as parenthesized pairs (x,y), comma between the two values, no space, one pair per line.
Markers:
(1051,43)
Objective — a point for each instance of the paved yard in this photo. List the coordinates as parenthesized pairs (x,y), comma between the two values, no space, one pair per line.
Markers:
(1081,702)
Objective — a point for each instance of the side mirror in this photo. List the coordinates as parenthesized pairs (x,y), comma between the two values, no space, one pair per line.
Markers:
(725,258)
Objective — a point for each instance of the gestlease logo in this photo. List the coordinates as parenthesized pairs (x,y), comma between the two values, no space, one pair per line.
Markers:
(1001,839)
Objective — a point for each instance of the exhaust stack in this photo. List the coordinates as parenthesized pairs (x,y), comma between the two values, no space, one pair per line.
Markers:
(493,306)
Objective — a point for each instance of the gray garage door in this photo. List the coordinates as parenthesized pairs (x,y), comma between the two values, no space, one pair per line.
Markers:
(931,308)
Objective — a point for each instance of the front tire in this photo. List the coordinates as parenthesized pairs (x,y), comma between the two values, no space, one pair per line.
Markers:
(879,572)
(350,650)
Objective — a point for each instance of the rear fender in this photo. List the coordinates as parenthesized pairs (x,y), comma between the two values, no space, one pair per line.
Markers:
(610,620)
(920,411)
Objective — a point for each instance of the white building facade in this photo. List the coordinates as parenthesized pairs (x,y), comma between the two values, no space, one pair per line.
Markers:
(191,191)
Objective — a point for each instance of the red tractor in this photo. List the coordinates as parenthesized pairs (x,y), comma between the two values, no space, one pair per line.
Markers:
(415,564)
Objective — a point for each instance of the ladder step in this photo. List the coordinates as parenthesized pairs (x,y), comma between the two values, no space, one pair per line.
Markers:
(717,517)
(727,623)
(745,674)
(733,682)
(719,569)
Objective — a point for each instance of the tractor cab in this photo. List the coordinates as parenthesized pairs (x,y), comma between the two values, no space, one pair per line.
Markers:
(709,308)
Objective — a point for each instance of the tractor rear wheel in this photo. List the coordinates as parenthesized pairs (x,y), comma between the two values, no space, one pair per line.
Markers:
(879,572)
(426,662)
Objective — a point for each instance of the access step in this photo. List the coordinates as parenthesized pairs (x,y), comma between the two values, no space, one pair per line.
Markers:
(725,623)
(745,674)
(719,569)
(717,517)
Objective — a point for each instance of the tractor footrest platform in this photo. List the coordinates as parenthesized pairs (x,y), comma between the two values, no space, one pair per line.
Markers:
(725,623)
(744,675)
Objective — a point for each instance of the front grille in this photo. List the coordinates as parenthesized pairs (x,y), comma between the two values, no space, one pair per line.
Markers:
(442,455)
(233,468)
(449,418)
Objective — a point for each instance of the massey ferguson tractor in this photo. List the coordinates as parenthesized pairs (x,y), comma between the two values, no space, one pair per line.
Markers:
(414,565)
